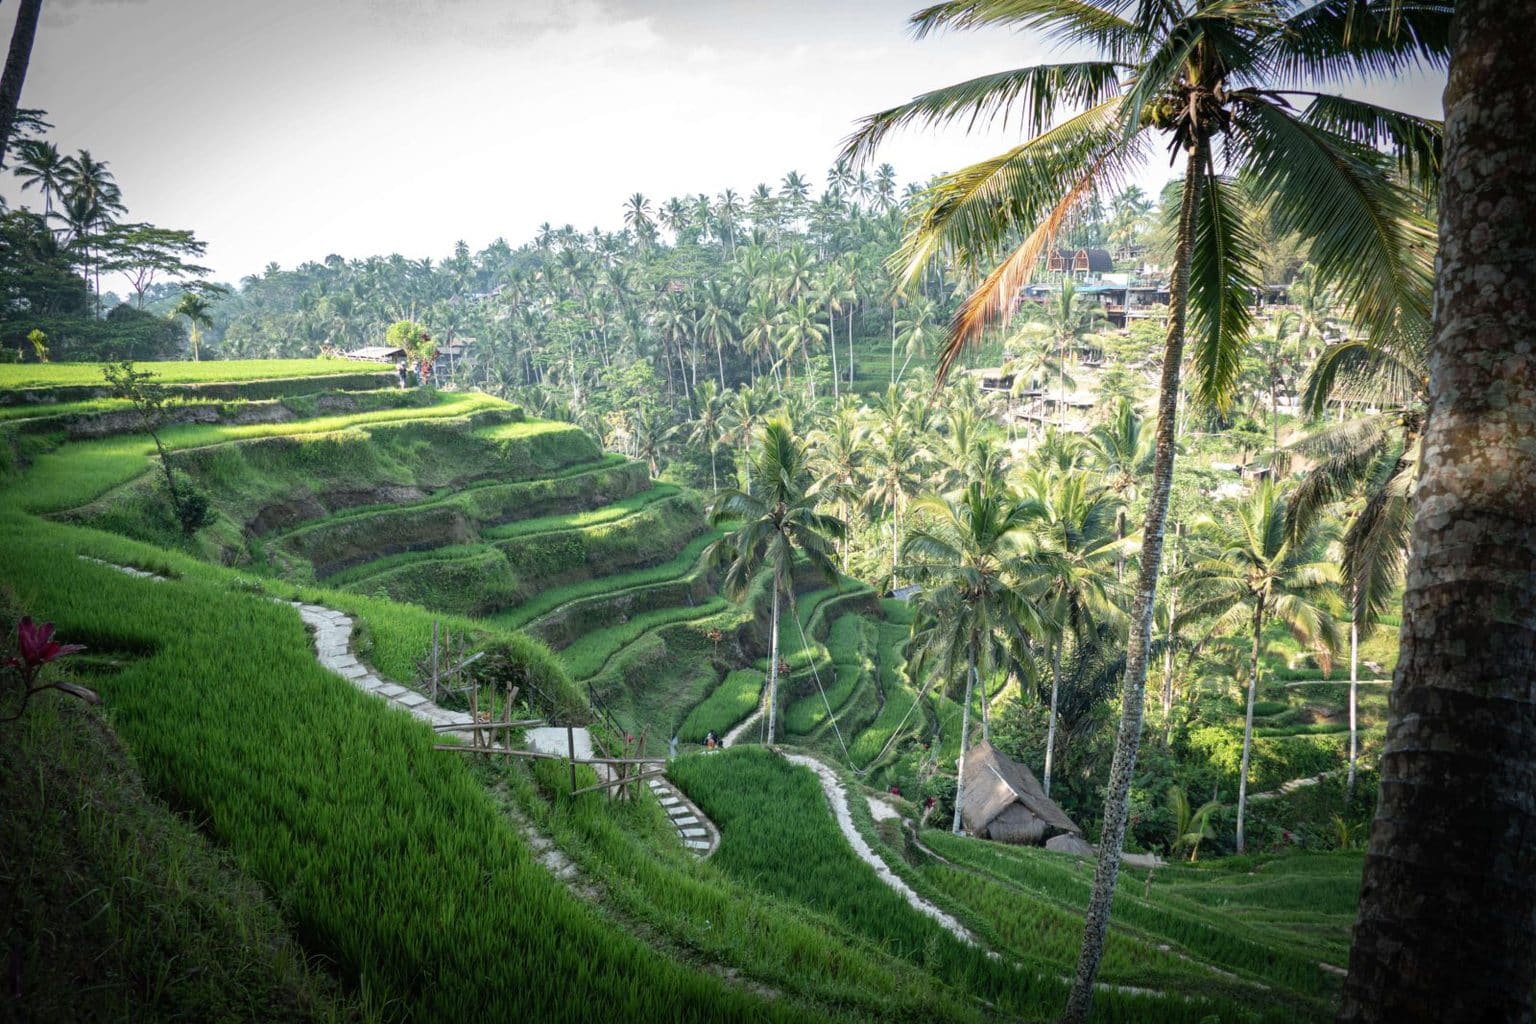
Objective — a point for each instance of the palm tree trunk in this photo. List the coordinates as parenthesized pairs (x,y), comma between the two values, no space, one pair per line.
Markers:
(986,709)
(1061,396)
(849,332)
(1253,689)
(16,61)
(1133,695)
(847,543)
(1354,682)
(773,664)
(965,732)
(832,344)
(1050,729)
(1446,929)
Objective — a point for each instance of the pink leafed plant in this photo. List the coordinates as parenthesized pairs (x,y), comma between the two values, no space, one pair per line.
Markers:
(35,650)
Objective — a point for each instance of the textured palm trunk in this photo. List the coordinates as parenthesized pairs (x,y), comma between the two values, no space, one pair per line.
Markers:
(832,344)
(1133,697)
(773,665)
(850,349)
(1354,684)
(1446,930)
(965,733)
(16,61)
(1050,729)
(1253,689)
(986,705)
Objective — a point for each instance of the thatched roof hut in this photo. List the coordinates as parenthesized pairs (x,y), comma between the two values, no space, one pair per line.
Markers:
(1004,801)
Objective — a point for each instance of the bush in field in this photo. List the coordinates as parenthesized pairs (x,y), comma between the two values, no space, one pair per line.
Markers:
(149,401)
(507,664)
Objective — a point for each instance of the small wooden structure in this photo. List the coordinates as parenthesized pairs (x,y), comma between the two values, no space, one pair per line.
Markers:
(619,775)
(1003,801)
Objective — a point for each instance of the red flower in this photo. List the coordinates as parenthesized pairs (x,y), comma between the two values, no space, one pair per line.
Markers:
(36,647)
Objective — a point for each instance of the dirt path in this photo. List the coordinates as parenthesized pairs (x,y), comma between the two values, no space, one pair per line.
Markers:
(750,722)
(837,796)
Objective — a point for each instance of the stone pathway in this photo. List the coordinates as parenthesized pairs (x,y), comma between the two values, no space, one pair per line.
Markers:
(697,832)
(832,786)
(333,649)
(750,722)
(1292,785)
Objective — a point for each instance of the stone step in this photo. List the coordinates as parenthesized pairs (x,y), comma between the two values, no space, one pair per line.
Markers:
(688,820)
(696,844)
(694,833)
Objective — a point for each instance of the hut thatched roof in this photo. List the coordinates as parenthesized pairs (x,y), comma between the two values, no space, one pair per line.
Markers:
(1003,800)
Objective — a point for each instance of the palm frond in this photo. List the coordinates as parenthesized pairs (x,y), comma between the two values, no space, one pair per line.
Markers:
(1340,40)
(972,214)
(1415,142)
(1383,372)
(1365,232)
(1221,272)
(1081,22)
(1375,546)
(1031,97)
(1350,451)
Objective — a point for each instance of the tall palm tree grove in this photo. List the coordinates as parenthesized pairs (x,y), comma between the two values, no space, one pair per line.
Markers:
(1231,88)
(1263,568)
(775,522)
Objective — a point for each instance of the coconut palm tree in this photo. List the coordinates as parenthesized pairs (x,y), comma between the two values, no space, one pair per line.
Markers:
(715,320)
(839,447)
(39,164)
(965,557)
(759,327)
(775,521)
(198,315)
(895,459)
(708,427)
(801,331)
(637,217)
(1370,461)
(1066,322)
(917,330)
(1264,570)
(746,410)
(1069,574)
(1231,88)
(835,291)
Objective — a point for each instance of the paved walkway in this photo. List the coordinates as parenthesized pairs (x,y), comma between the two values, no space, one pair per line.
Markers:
(697,832)
(749,723)
(333,649)
(832,786)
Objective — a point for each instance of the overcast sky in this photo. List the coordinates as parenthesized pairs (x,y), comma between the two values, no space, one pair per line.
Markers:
(290,129)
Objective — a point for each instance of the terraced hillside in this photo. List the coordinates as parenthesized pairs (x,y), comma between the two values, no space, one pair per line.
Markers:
(587,582)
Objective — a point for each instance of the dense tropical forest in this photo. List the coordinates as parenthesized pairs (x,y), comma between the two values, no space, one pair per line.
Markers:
(846,598)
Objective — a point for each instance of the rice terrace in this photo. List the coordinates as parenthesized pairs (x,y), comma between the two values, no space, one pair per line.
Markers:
(1004,594)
